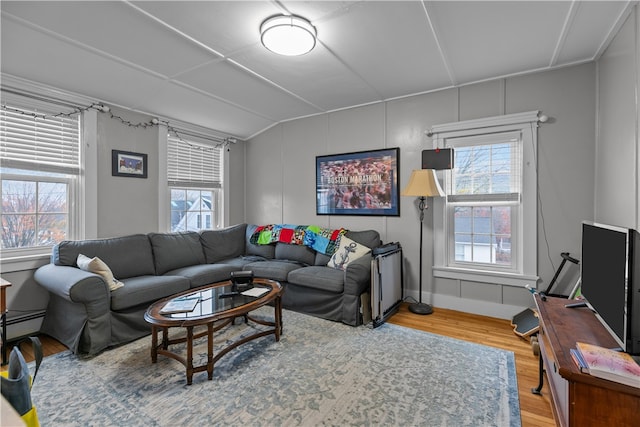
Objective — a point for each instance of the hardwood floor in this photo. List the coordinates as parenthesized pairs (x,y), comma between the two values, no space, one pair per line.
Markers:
(535,410)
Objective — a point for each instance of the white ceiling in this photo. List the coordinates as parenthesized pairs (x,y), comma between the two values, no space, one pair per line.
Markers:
(202,62)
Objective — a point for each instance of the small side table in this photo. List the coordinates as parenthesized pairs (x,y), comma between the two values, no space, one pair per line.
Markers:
(3,312)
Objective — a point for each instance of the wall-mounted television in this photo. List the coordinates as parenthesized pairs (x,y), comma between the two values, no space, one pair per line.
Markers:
(610,280)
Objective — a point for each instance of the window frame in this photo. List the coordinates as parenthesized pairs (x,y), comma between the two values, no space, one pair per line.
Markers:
(71,230)
(14,258)
(511,199)
(524,230)
(216,216)
(196,136)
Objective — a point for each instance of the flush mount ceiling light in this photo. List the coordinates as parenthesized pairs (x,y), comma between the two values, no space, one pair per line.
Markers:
(288,35)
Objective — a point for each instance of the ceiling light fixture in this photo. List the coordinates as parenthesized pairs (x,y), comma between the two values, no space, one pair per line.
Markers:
(288,35)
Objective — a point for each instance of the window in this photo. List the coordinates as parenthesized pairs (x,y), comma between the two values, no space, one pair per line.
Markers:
(488,222)
(484,202)
(194,171)
(190,206)
(40,148)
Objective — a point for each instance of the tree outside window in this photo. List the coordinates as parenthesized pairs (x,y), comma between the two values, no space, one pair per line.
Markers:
(482,227)
(34,213)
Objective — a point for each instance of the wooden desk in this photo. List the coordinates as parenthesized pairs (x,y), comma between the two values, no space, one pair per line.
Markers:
(3,313)
(580,399)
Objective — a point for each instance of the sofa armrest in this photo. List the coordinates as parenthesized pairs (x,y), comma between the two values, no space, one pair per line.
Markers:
(78,314)
(73,284)
(357,277)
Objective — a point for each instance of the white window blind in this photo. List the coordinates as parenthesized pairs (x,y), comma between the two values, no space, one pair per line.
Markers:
(32,138)
(193,163)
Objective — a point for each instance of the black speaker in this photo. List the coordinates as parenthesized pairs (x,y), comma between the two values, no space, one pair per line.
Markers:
(440,158)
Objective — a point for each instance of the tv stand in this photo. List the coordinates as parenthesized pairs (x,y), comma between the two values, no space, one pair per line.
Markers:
(579,399)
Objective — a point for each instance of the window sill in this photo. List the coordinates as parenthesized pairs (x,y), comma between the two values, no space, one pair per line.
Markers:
(507,279)
(24,262)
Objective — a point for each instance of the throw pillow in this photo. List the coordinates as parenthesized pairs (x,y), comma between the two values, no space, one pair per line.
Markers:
(347,252)
(96,265)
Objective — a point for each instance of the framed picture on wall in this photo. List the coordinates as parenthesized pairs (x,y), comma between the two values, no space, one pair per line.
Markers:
(360,183)
(128,164)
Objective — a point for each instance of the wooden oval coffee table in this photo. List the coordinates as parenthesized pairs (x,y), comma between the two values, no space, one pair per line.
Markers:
(214,312)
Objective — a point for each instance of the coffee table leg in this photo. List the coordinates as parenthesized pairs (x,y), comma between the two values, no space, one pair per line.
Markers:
(154,344)
(165,338)
(278,316)
(189,354)
(210,350)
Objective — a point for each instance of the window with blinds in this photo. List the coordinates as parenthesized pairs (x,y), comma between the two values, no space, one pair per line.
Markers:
(484,197)
(485,229)
(34,139)
(193,163)
(194,175)
(40,150)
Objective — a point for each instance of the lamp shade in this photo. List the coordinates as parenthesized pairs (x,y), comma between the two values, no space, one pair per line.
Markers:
(423,183)
(288,35)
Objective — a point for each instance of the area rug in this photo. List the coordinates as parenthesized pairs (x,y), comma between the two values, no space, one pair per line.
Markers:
(320,373)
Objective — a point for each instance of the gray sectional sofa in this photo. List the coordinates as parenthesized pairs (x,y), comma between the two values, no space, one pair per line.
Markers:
(85,315)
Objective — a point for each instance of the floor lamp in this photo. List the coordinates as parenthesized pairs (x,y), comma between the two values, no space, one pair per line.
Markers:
(422,184)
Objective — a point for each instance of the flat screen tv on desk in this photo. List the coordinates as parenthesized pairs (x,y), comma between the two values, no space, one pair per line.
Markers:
(611,280)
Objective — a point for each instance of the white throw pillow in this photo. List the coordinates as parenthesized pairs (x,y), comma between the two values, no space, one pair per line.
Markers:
(347,252)
(96,265)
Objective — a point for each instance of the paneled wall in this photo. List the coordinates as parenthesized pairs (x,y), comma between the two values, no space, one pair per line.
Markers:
(280,165)
(617,200)
(127,205)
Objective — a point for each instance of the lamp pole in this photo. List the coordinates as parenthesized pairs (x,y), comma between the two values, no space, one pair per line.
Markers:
(420,307)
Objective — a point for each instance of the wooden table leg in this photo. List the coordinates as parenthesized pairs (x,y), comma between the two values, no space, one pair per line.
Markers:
(189,354)
(3,310)
(165,338)
(154,344)
(278,316)
(210,350)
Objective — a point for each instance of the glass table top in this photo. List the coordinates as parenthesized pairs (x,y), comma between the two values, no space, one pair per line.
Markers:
(210,300)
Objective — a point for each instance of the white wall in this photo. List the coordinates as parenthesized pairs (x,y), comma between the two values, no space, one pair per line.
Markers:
(617,156)
(127,205)
(280,166)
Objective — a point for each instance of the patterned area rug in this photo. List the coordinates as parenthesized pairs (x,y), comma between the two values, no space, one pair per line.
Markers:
(320,373)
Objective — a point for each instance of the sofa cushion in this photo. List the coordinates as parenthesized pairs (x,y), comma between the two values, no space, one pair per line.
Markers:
(175,250)
(146,289)
(368,238)
(224,243)
(127,256)
(317,277)
(274,270)
(205,274)
(347,252)
(97,266)
(266,251)
(302,254)
(321,259)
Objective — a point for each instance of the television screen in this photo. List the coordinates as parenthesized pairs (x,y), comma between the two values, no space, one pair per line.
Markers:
(604,274)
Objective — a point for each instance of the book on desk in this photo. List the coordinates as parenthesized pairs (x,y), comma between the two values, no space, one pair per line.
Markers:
(606,363)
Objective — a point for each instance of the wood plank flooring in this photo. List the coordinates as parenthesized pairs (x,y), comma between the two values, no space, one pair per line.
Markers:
(535,410)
